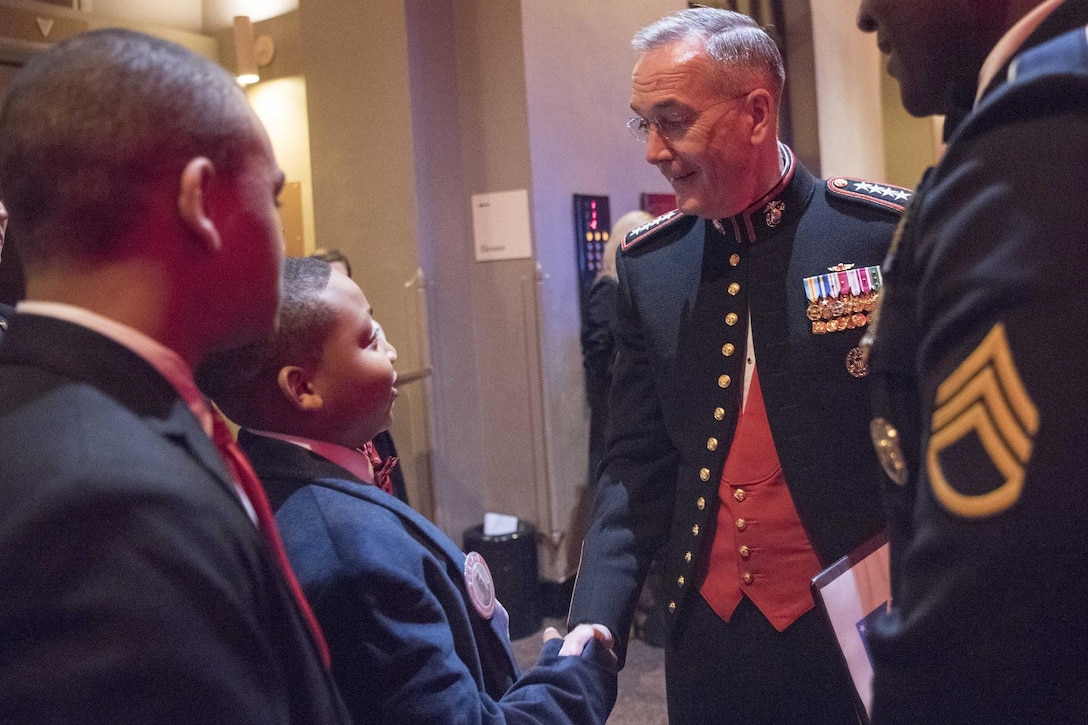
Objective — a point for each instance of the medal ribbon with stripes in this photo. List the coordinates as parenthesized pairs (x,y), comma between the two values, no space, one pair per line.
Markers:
(842,299)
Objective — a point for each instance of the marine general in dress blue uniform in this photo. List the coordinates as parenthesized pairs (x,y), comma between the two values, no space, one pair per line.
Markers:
(980,371)
(739,432)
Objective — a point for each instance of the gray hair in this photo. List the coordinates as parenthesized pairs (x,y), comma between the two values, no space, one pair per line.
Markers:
(735,42)
(626,224)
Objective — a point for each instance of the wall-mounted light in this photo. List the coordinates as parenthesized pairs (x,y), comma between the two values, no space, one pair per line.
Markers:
(250,53)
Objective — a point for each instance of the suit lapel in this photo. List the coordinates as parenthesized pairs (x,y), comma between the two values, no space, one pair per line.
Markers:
(412,518)
(285,467)
(82,356)
(181,427)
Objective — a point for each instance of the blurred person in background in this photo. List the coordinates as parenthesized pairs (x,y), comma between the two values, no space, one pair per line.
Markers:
(598,346)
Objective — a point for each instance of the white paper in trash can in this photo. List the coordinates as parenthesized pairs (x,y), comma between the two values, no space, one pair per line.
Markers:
(499,524)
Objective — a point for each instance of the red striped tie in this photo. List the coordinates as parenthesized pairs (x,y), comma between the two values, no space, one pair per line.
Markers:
(246,478)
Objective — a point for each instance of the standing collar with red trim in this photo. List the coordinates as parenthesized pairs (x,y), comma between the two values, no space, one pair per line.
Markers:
(780,205)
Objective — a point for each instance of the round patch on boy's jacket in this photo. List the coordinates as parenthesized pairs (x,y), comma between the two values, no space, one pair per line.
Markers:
(480,585)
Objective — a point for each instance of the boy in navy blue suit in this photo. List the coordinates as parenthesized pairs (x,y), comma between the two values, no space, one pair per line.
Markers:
(415,632)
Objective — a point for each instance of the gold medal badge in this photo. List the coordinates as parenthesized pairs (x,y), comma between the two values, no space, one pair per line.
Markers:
(857,362)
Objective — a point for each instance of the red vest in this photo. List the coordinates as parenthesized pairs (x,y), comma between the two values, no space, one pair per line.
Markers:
(760,548)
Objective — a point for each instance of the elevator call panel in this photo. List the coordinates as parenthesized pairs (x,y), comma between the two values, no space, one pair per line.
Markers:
(592,223)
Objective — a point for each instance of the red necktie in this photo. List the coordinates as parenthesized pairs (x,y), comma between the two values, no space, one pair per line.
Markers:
(246,478)
(383,470)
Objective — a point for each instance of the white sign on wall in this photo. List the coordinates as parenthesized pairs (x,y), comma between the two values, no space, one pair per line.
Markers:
(500,223)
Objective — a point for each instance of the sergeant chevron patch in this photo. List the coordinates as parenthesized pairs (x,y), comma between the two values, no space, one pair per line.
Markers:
(982,403)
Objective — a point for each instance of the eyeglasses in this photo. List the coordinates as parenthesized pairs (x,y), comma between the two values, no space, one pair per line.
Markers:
(671,128)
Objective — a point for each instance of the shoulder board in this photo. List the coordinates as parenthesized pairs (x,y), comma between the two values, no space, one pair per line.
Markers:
(870,192)
(650,228)
(1062,54)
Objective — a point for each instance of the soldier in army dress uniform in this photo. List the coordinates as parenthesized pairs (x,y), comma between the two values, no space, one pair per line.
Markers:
(979,373)
(739,430)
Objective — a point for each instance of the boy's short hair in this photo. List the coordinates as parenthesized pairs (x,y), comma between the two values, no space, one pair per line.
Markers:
(241,379)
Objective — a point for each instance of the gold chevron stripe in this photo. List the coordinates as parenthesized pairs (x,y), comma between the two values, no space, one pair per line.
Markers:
(985,388)
(993,502)
(985,394)
(994,349)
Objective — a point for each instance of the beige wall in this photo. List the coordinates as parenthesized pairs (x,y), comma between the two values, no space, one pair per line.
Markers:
(218,14)
(847,93)
(177,14)
(281,106)
(355,60)
(910,144)
(578,61)
(864,130)
(801,84)
(471,136)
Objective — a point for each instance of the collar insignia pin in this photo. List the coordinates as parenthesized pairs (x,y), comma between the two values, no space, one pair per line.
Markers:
(774,212)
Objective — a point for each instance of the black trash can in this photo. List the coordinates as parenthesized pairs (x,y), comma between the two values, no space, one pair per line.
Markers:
(513,564)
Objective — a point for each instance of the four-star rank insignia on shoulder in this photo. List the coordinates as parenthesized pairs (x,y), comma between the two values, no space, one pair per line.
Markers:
(982,433)
(651,227)
(870,192)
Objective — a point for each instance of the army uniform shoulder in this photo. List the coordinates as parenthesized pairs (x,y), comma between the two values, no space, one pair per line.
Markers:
(1061,54)
(673,221)
(869,193)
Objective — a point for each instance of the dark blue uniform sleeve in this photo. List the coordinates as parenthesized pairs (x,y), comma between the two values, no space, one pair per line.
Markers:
(637,484)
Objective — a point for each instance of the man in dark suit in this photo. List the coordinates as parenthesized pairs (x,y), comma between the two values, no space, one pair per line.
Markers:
(415,632)
(978,371)
(739,405)
(134,584)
